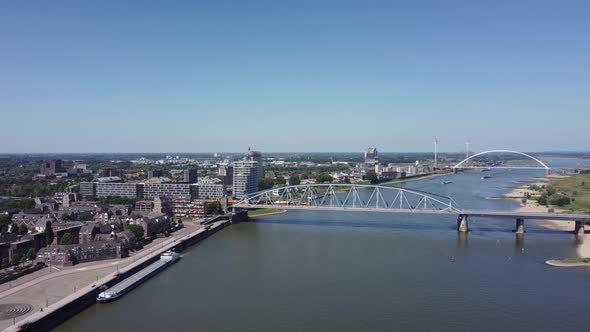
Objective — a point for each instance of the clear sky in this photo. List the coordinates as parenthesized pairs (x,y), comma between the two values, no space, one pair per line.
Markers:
(208,76)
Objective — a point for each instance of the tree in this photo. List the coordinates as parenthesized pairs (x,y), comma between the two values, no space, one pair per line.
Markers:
(135,229)
(65,216)
(560,200)
(179,221)
(4,222)
(294,180)
(31,255)
(15,259)
(66,239)
(321,178)
(280,180)
(265,183)
(214,208)
(23,229)
(371,176)
(542,200)
(49,236)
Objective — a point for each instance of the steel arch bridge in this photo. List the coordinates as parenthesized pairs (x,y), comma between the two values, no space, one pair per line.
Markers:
(349,197)
(542,165)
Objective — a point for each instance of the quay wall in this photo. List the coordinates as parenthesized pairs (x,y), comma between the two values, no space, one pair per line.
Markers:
(82,299)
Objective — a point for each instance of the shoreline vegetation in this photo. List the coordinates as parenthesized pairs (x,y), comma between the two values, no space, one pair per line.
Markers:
(264,212)
(558,194)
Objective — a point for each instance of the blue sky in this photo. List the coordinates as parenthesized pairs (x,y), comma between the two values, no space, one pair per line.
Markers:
(207,76)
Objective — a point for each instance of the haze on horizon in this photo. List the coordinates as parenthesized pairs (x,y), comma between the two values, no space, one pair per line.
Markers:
(311,76)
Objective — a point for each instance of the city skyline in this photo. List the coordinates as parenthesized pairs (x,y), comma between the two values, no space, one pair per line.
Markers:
(299,76)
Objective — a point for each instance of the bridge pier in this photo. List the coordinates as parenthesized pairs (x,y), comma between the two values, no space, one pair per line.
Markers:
(519,229)
(579,230)
(462,223)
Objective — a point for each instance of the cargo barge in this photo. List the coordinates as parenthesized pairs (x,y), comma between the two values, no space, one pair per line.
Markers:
(166,259)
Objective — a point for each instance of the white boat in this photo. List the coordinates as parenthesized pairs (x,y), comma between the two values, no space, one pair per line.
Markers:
(446,182)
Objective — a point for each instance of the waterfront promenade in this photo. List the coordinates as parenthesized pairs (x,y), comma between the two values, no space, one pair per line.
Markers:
(46,291)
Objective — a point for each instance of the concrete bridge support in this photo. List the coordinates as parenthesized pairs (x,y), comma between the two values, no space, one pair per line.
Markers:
(462,223)
(579,230)
(519,226)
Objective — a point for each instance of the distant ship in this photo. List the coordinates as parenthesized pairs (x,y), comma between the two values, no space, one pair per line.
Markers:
(486,177)
(486,170)
(446,182)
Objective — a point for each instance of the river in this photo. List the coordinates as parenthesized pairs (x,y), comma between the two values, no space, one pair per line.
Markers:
(326,271)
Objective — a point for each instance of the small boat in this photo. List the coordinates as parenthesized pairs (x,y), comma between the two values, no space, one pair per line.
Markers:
(446,182)
(486,170)
(486,177)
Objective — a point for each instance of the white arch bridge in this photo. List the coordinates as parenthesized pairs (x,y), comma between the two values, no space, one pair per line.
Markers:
(465,165)
(376,198)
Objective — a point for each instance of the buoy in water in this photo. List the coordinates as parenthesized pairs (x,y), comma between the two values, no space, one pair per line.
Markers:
(452,259)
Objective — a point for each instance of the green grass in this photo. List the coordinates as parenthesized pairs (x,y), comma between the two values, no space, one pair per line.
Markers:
(259,212)
(577,187)
(574,260)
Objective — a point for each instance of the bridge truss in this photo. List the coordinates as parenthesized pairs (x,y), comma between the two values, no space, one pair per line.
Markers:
(349,197)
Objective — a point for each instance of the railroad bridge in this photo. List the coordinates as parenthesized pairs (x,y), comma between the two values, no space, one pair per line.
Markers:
(387,199)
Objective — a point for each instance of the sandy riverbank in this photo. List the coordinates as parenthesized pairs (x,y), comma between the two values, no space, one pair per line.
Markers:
(531,205)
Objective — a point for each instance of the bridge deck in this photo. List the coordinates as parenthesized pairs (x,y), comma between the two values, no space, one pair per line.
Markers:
(471,213)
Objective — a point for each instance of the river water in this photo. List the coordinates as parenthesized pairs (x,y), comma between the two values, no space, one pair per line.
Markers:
(325,271)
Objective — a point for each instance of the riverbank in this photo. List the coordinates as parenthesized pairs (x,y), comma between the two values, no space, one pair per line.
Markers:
(530,205)
(264,212)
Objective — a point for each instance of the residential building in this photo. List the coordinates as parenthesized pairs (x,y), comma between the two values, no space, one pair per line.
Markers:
(257,157)
(185,207)
(167,190)
(210,191)
(106,189)
(227,172)
(245,178)
(51,167)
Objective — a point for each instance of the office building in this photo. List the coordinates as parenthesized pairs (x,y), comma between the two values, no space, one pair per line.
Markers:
(88,190)
(245,178)
(191,175)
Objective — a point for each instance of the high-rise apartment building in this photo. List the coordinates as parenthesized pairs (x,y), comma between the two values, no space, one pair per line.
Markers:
(257,157)
(245,178)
